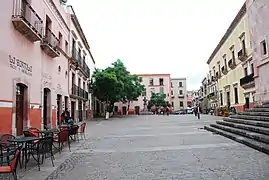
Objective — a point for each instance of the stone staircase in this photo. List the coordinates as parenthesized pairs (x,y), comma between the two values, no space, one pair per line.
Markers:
(250,127)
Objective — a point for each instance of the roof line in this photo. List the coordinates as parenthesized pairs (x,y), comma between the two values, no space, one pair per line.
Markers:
(80,31)
(237,18)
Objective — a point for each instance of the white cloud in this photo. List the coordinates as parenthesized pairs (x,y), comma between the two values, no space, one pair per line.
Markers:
(150,36)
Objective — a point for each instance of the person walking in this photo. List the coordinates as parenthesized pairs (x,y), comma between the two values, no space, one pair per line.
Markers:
(198,111)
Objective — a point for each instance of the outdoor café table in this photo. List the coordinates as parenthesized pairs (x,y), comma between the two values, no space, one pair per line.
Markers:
(23,141)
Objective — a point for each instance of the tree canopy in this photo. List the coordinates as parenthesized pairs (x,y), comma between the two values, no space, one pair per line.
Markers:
(158,99)
(115,83)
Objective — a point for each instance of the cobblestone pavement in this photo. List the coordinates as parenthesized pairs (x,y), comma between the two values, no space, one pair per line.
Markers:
(155,148)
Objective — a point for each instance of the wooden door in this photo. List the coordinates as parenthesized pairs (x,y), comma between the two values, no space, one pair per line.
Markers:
(19,109)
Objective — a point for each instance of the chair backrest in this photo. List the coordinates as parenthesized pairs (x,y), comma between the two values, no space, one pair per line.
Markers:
(63,135)
(4,139)
(73,130)
(45,144)
(14,161)
(34,131)
(82,127)
(28,134)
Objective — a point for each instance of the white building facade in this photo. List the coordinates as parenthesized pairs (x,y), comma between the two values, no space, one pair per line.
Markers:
(179,93)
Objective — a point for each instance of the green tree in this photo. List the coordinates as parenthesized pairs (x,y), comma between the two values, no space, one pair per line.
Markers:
(116,83)
(158,99)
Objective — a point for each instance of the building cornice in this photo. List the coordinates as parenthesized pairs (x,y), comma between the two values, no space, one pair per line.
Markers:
(58,14)
(81,33)
(236,20)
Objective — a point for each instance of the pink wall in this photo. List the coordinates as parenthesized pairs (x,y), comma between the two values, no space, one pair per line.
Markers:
(259,29)
(44,69)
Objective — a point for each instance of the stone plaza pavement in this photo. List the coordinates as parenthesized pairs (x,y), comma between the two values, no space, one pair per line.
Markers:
(154,148)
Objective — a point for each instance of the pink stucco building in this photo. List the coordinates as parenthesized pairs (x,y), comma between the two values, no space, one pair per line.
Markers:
(34,69)
(258,11)
(157,83)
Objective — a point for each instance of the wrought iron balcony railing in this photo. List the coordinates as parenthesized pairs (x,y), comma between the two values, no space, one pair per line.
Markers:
(247,80)
(26,20)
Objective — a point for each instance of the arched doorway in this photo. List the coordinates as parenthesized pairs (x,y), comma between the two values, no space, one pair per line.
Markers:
(21,107)
(46,108)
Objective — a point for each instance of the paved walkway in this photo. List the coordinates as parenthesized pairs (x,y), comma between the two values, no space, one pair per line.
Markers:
(154,147)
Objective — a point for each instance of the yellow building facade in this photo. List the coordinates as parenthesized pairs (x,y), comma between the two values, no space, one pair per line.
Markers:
(227,61)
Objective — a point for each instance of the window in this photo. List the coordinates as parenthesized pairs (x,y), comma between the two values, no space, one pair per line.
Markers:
(66,47)
(161,90)
(172,93)
(60,40)
(144,93)
(171,85)
(252,68)
(73,78)
(180,92)
(180,84)
(233,55)
(79,82)
(172,104)
(221,99)
(243,45)
(181,103)
(246,71)
(151,82)
(235,95)
(264,47)
(152,90)
(161,81)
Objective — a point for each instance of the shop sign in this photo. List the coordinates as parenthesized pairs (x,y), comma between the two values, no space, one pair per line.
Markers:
(20,65)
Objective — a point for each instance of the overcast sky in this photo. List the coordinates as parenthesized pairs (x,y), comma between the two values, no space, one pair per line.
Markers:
(156,36)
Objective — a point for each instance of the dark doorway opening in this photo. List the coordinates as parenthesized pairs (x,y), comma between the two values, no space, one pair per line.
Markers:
(65,102)
(73,109)
(124,110)
(21,112)
(80,110)
(228,99)
(137,109)
(59,107)
(247,102)
(46,108)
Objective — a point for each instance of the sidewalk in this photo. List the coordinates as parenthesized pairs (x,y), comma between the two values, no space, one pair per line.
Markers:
(32,172)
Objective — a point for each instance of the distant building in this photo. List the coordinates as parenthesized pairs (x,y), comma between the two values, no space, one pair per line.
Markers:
(156,83)
(189,99)
(179,93)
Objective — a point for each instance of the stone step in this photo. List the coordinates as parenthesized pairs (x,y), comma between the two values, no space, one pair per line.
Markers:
(254,113)
(262,106)
(255,118)
(263,147)
(247,122)
(252,135)
(258,110)
(256,129)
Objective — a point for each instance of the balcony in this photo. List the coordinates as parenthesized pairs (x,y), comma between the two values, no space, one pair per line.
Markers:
(78,92)
(80,62)
(50,43)
(231,64)
(26,20)
(242,55)
(247,81)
